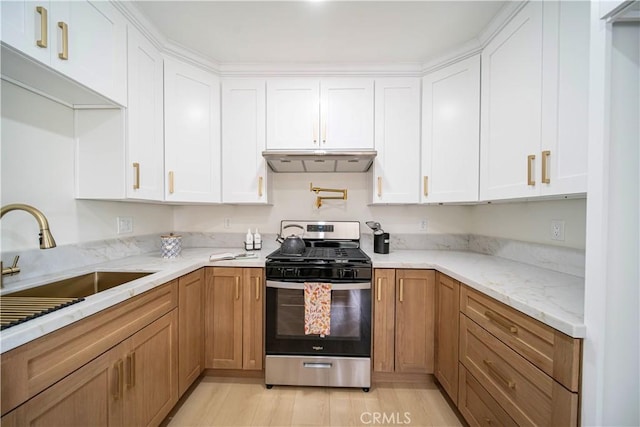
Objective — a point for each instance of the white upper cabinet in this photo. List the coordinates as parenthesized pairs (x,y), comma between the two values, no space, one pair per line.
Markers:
(534,103)
(320,114)
(244,170)
(511,107)
(563,149)
(396,169)
(192,133)
(451,133)
(83,40)
(145,129)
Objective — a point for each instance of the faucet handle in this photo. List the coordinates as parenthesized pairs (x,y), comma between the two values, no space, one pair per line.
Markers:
(15,261)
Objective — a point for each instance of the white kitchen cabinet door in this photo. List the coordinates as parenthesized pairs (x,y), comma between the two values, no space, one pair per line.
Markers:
(293,113)
(85,41)
(244,170)
(192,133)
(25,26)
(145,129)
(451,133)
(563,149)
(396,170)
(511,108)
(346,113)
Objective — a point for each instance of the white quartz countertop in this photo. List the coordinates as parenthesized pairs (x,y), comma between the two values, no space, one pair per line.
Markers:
(556,299)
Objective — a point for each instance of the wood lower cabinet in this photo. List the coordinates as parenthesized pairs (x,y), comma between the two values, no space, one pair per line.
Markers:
(446,334)
(190,328)
(134,383)
(404,304)
(477,406)
(234,301)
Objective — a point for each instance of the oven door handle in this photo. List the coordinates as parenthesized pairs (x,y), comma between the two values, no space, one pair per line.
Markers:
(334,286)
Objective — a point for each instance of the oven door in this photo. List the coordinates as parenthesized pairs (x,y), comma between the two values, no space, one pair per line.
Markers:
(350,321)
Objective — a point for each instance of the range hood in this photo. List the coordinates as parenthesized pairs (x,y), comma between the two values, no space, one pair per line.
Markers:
(319,160)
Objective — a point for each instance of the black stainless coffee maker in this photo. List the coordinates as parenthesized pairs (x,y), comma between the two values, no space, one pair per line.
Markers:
(380,238)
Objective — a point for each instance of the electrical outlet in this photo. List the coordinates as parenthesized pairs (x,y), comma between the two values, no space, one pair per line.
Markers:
(423,224)
(124,224)
(557,230)
(227,223)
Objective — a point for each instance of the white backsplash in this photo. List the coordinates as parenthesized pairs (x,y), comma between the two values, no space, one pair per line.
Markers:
(35,262)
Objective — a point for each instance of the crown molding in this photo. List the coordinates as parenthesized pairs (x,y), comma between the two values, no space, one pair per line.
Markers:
(320,69)
(141,23)
(185,54)
(467,50)
(498,22)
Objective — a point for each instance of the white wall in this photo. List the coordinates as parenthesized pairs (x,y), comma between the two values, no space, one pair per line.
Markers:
(37,150)
(531,221)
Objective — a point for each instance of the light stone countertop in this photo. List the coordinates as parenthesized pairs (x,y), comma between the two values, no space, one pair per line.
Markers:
(556,299)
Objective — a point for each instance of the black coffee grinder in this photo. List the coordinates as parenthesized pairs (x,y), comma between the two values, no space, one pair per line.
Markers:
(380,238)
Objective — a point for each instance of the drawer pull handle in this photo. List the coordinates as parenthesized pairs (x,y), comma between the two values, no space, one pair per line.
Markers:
(257,288)
(118,379)
(131,362)
(500,321)
(237,288)
(530,180)
(64,54)
(136,176)
(545,167)
(501,376)
(379,284)
(401,290)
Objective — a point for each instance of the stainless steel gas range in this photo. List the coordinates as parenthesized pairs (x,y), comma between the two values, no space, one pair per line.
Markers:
(332,259)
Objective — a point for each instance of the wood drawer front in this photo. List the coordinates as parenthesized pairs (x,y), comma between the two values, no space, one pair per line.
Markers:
(476,404)
(555,353)
(31,368)
(526,393)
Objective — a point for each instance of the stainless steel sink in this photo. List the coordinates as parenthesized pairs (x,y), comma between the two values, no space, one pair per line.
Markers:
(81,286)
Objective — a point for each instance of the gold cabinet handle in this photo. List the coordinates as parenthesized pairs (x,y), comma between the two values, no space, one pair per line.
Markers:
(379,287)
(136,176)
(379,186)
(116,390)
(171,187)
(64,55)
(487,420)
(425,185)
(545,167)
(499,375)
(257,288)
(131,364)
(401,290)
(44,27)
(500,321)
(237,287)
(324,133)
(260,181)
(530,159)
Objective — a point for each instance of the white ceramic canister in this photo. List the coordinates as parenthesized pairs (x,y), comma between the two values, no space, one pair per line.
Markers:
(171,246)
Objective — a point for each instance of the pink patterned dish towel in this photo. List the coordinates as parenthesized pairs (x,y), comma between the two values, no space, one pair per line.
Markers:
(317,309)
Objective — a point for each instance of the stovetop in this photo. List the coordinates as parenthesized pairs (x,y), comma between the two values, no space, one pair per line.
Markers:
(322,255)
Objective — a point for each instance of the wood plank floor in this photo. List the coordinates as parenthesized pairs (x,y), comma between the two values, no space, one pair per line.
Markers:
(246,402)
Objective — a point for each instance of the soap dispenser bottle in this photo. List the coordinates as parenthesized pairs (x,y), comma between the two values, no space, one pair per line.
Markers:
(257,241)
(248,241)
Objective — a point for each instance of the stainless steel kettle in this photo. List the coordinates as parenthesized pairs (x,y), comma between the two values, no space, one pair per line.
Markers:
(292,244)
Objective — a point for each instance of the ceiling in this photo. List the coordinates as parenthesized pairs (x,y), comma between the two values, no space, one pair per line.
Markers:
(336,32)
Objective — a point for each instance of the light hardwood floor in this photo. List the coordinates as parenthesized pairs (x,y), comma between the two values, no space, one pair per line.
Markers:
(246,402)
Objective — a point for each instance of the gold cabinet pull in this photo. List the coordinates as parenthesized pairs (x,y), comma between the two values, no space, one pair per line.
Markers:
(379,287)
(171,187)
(44,27)
(500,321)
(545,167)
(260,180)
(136,176)
(379,186)
(257,288)
(324,133)
(237,287)
(64,55)
(487,420)
(530,159)
(131,364)
(499,375)
(401,290)
(116,390)
(425,185)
